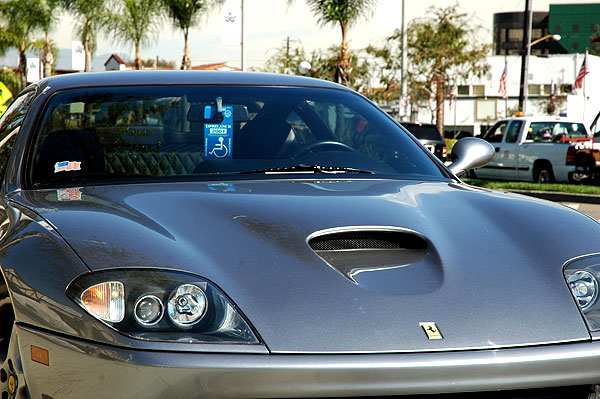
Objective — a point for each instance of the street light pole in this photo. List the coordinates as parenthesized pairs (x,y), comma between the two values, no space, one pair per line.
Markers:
(541,39)
(401,114)
(533,43)
(525,57)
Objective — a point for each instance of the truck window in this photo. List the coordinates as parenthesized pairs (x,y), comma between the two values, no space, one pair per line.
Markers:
(512,134)
(495,134)
(555,131)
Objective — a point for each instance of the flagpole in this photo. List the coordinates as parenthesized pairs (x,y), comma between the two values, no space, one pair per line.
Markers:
(455,108)
(586,67)
(506,97)
(503,90)
(242,40)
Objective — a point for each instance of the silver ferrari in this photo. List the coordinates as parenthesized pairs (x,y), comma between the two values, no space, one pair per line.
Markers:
(228,235)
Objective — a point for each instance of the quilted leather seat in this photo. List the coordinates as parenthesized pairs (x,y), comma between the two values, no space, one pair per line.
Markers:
(158,163)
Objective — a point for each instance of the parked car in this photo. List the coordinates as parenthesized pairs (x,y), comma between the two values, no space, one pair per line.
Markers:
(429,135)
(181,234)
(541,149)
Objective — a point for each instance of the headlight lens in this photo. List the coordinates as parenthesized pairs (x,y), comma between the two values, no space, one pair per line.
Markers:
(160,305)
(585,288)
(582,275)
(187,304)
(148,310)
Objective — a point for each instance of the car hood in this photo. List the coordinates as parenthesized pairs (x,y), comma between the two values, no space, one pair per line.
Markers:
(489,275)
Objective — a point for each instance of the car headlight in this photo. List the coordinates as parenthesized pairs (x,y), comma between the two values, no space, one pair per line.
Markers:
(160,305)
(582,275)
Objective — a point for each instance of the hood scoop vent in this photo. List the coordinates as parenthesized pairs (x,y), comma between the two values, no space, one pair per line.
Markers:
(352,253)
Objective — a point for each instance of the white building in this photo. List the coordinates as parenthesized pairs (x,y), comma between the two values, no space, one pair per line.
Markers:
(116,63)
(478,103)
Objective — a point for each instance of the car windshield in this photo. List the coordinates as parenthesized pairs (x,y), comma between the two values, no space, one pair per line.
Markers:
(108,134)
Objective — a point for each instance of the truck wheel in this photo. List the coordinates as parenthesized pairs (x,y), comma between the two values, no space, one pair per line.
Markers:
(542,174)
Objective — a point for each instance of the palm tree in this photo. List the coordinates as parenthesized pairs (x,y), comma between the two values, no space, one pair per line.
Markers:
(90,16)
(48,18)
(184,15)
(345,13)
(20,19)
(134,23)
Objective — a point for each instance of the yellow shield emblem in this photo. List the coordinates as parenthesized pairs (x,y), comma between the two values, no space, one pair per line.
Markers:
(431,330)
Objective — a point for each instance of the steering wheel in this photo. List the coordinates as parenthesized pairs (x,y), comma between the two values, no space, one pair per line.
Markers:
(322,145)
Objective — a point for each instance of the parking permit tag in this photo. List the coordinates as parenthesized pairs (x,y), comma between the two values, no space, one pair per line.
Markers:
(218,137)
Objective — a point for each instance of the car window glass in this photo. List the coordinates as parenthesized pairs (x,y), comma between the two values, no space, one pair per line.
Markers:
(495,134)
(513,131)
(303,133)
(202,131)
(347,126)
(10,125)
(424,132)
(556,131)
(540,131)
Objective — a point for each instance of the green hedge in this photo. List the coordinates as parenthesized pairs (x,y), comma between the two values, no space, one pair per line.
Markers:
(513,185)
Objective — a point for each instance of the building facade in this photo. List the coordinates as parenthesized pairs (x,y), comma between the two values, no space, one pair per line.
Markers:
(509,33)
(577,24)
(478,104)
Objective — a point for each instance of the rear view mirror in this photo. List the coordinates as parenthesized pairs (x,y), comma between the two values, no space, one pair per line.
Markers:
(196,113)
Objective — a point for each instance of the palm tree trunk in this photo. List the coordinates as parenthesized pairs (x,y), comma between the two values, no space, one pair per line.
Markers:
(439,100)
(138,60)
(185,62)
(47,57)
(88,46)
(23,65)
(344,70)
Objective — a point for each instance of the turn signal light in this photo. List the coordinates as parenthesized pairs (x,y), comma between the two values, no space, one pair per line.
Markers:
(106,301)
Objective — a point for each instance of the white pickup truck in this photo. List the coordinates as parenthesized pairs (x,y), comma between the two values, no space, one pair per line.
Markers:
(541,149)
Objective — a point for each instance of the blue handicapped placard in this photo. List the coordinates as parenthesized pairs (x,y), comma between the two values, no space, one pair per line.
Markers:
(218,137)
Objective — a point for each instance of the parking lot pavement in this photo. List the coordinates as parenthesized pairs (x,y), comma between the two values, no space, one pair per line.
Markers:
(588,204)
(592,210)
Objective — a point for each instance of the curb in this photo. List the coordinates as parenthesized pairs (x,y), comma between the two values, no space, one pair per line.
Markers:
(560,197)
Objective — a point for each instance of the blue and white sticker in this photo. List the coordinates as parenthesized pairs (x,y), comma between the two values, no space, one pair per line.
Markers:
(218,137)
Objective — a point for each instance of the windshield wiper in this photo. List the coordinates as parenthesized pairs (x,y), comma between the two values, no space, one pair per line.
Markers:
(303,168)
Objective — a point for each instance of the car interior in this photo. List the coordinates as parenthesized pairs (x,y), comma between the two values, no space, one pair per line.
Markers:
(136,133)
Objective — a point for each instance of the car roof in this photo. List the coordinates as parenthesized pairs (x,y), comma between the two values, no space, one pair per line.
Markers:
(173,77)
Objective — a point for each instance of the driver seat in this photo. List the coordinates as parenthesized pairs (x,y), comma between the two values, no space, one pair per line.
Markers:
(264,139)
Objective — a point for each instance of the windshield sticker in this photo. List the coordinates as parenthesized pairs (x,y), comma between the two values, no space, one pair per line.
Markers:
(218,137)
(69,194)
(65,166)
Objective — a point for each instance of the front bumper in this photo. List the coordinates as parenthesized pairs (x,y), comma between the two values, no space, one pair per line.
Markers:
(82,369)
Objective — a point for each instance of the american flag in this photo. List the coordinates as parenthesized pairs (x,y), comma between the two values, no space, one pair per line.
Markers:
(452,95)
(66,166)
(502,89)
(582,72)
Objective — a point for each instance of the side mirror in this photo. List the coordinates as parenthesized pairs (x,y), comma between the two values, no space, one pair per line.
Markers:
(470,153)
